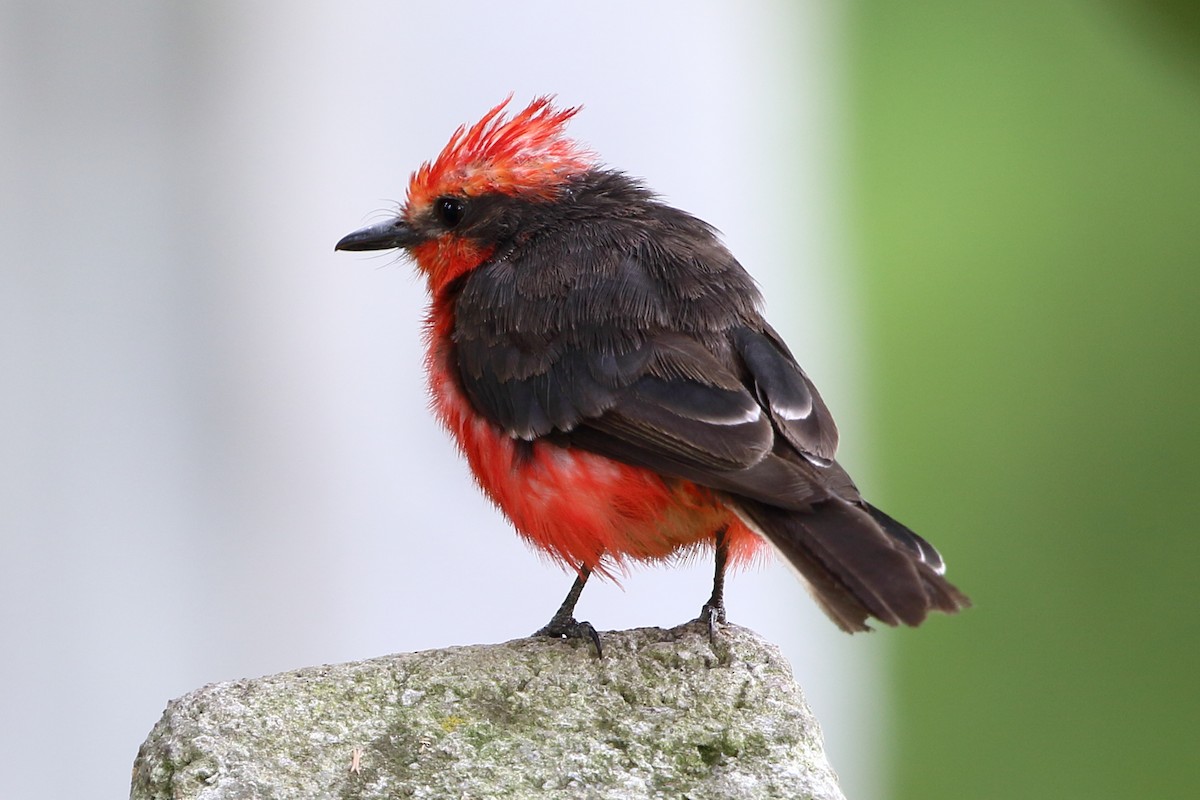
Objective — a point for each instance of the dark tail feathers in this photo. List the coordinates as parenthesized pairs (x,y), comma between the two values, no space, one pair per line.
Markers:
(859,562)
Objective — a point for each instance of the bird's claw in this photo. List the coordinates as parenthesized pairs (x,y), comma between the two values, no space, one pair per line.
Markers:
(712,615)
(570,628)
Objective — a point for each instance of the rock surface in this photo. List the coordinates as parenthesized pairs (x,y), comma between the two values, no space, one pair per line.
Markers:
(663,714)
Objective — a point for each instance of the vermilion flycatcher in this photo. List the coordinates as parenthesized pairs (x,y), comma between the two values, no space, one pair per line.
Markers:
(602,361)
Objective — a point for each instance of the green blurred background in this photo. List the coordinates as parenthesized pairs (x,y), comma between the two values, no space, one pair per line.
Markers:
(1026,201)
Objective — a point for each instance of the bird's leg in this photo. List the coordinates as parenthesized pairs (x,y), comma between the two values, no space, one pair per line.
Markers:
(713,612)
(563,624)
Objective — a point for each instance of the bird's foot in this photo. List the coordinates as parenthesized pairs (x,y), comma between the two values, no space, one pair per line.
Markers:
(570,628)
(712,615)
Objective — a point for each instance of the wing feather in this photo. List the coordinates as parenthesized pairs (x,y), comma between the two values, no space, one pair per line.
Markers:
(622,344)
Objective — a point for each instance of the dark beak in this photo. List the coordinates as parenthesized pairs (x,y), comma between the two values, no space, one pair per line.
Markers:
(384,236)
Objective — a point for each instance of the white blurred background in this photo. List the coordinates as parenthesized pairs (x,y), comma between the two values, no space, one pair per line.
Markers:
(215,457)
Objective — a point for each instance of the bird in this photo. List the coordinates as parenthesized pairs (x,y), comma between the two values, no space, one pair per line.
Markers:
(603,363)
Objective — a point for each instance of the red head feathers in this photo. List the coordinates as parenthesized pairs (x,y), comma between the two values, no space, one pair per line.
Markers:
(527,154)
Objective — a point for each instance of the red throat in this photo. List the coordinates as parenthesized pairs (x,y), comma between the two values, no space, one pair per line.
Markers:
(446,258)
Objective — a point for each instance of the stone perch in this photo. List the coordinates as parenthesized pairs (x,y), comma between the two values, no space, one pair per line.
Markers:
(663,715)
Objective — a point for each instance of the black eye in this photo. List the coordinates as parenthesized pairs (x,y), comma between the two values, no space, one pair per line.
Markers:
(449,210)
